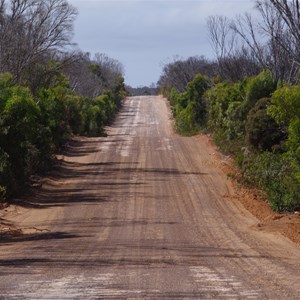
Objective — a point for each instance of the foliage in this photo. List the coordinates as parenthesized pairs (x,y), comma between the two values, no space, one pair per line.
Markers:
(47,92)
(262,132)
(228,104)
(32,127)
(249,119)
(18,132)
(189,107)
(178,73)
(142,90)
(276,175)
(258,87)
(224,106)
(246,44)
(285,109)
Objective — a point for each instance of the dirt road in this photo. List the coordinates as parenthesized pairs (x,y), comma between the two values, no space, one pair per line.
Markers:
(142,214)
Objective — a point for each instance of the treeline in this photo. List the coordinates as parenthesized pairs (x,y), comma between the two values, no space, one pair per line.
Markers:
(251,109)
(142,90)
(250,43)
(47,92)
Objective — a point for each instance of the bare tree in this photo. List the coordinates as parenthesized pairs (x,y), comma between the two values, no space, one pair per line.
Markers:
(235,57)
(31,29)
(108,70)
(279,19)
(248,30)
(221,36)
(290,12)
(278,48)
(246,45)
(179,72)
(91,77)
(76,67)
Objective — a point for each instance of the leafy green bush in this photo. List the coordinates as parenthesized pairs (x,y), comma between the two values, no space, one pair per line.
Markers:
(242,114)
(189,107)
(285,109)
(172,97)
(275,174)
(262,132)
(185,121)
(258,87)
(234,121)
(6,90)
(33,128)
(2,194)
(54,113)
(224,104)
(195,92)
(18,132)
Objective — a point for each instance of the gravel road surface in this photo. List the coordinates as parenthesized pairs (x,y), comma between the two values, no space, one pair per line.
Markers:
(142,214)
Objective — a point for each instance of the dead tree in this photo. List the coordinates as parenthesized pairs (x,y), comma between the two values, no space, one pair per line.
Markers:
(31,29)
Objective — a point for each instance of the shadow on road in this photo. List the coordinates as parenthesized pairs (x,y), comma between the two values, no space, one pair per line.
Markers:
(105,181)
(185,256)
(17,236)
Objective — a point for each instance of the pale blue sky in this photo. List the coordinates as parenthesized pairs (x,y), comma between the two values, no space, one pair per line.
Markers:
(143,34)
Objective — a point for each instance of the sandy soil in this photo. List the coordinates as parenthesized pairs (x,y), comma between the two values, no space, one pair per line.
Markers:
(254,200)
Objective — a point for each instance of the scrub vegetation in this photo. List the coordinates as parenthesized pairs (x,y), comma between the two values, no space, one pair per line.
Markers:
(47,92)
(251,102)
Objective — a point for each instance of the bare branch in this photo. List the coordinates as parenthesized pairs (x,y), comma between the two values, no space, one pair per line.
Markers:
(31,29)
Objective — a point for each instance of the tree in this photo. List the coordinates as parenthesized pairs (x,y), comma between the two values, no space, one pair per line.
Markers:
(235,59)
(81,79)
(107,69)
(290,12)
(245,45)
(262,132)
(221,39)
(180,72)
(31,30)
(17,132)
(289,41)
(279,48)
(91,77)
(285,109)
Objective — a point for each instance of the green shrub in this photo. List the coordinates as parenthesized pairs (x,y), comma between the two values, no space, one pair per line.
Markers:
(234,121)
(19,128)
(189,107)
(2,194)
(240,115)
(74,105)
(54,114)
(276,175)
(224,109)
(285,109)
(262,132)
(33,128)
(6,89)
(258,87)
(173,96)
(185,121)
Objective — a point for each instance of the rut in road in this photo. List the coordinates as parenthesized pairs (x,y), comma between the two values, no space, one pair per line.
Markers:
(142,214)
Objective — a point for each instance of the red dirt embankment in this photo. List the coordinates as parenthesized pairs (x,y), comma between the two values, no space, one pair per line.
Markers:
(287,224)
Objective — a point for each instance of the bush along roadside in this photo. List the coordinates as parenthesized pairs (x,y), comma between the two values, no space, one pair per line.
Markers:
(189,108)
(255,121)
(34,127)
